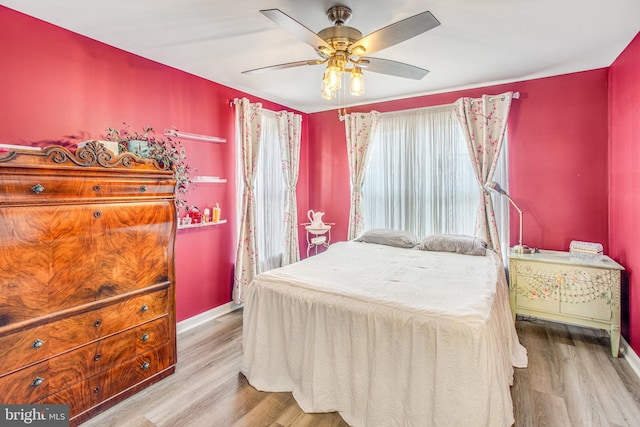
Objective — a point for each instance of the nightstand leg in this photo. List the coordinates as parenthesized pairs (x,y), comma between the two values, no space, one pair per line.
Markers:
(615,340)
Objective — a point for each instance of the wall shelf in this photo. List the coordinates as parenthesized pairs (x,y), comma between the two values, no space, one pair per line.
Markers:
(188,135)
(208,179)
(202,224)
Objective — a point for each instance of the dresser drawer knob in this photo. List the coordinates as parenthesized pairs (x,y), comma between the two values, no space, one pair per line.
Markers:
(37,381)
(37,343)
(145,366)
(143,188)
(144,308)
(144,337)
(96,389)
(37,188)
(97,357)
(97,323)
(96,188)
(96,214)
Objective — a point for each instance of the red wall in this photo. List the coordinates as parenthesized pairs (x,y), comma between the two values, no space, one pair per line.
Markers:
(557,158)
(624,182)
(61,88)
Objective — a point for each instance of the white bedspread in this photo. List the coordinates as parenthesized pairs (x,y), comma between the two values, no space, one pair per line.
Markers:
(386,336)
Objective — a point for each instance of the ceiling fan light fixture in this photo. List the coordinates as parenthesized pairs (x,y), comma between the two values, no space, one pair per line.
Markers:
(325,90)
(332,75)
(356,87)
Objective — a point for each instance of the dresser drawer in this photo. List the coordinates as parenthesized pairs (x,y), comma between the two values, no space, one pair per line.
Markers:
(108,320)
(82,396)
(72,255)
(97,357)
(25,386)
(151,334)
(31,345)
(37,381)
(24,348)
(60,187)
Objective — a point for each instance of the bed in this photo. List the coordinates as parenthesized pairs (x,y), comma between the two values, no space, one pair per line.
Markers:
(386,336)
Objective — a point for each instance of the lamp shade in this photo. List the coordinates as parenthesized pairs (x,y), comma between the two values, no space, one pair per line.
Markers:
(494,186)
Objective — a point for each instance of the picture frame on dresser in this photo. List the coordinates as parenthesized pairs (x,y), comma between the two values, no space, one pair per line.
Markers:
(87,283)
(553,285)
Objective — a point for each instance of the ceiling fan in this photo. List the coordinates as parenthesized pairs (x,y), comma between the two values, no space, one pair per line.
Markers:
(344,49)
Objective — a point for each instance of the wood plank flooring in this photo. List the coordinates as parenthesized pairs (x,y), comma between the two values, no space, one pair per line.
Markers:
(571,381)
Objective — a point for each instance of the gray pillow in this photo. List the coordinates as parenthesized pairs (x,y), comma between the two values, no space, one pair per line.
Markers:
(458,243)
(389,237)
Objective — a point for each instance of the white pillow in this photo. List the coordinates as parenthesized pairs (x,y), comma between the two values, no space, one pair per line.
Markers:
(389,237)
(458,243)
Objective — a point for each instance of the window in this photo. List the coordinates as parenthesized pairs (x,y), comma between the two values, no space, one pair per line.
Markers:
(419,177)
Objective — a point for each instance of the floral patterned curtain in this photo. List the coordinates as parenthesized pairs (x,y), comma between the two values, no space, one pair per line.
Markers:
(289,130)
(359,128)
(249,127)
(484,121)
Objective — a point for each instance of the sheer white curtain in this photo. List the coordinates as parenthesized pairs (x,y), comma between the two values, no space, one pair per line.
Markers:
(270,190)
(419,177)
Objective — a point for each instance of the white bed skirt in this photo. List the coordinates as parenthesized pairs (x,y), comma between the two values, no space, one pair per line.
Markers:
(374,362)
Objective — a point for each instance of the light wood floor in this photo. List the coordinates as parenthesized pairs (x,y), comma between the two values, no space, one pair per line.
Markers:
(571,380)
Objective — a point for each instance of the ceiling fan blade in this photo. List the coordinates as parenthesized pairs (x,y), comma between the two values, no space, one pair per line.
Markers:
(393,68)
(287,65)
(298,30)
(397,32)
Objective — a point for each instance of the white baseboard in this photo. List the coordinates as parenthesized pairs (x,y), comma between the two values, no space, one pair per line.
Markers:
(199,319)
(630,355)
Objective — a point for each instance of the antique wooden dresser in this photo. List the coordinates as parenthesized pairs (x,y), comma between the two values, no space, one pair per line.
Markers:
(87,312)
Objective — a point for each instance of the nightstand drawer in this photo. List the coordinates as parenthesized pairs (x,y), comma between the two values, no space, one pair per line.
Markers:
(531,293)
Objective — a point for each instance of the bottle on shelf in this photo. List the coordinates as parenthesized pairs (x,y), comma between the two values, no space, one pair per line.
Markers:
(216,213)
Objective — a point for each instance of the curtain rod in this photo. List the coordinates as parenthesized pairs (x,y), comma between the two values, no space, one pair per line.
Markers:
(516,95)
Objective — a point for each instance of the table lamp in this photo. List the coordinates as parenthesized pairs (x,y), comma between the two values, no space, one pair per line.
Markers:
(519,248)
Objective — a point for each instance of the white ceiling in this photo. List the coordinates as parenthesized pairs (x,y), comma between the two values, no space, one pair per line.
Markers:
(479,42)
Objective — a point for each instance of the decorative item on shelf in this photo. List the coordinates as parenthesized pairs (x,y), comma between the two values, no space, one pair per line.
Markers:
(139,148)
(196,216)
(166,151)
(216,213)
(519,248)
(206,215)
(586,250)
